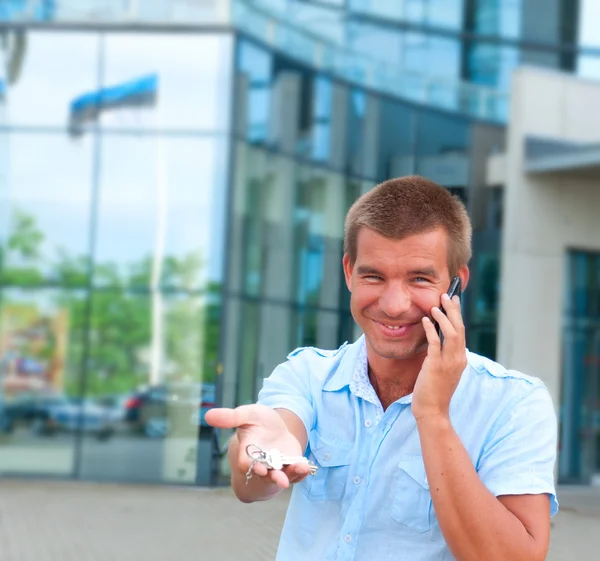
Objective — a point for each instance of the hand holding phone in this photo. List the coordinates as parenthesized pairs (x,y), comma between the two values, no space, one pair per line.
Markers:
(455,289)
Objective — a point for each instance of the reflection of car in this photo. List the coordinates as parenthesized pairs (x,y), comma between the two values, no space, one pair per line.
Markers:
(82,414)
(32,409)
(47,414)
(159,410)
(207,403)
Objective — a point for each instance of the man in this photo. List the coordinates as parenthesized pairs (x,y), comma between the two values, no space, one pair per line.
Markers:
(424,450)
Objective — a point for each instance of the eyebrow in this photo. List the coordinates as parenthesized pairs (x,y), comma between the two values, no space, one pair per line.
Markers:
(366,270)
(426,272)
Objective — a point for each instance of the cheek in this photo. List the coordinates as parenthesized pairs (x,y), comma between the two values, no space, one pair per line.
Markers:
(364,295)
(425,300)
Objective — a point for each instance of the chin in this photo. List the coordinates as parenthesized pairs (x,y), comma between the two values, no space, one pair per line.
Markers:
(397,351)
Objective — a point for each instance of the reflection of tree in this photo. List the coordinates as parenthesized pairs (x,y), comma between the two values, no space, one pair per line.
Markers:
(20,257)
(119,322)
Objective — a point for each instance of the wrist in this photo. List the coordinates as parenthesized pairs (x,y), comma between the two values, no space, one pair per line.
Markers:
(434,419)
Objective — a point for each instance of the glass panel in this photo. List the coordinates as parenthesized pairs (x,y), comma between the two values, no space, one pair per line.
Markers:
(357,129)
(498,17)
(589,16)
(318,231)
(443,13)
(255,67)
(260,252)
(491,65)
(153,365)
(45,191)
(442,149)
(193,80)
(322,119)
(588,66)
(161,211)
(396,140)
(45,73)
(580,408)
(425,54)
(41,354)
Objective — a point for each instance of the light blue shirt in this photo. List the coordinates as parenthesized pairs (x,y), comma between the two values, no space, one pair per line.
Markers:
(370,499)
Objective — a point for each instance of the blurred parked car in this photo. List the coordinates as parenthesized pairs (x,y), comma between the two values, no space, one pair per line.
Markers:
(160,410)
(74,414)
(47,414)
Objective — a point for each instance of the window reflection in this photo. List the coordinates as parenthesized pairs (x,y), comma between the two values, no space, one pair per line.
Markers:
(442,149)
(46,204)
(255,66)
(193,74)
(61,65)
(41,352)
(160,211)
(396,140)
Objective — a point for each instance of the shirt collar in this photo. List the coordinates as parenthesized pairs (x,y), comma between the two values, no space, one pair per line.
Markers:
(350,362)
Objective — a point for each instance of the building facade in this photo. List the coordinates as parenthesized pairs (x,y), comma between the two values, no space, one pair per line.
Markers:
(174,178)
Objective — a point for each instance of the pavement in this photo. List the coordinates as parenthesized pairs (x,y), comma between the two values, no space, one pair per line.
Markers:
(76,521)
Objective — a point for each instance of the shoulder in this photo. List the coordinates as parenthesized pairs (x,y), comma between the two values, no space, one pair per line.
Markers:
(492,380)
(315,354)
(488,369)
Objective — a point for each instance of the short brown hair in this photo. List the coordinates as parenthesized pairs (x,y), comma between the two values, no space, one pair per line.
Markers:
(405,206)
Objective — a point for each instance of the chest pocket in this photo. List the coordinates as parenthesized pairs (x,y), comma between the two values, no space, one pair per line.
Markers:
(333,459)
(412,505)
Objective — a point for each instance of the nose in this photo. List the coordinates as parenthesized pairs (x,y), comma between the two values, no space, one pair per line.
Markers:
(395,301)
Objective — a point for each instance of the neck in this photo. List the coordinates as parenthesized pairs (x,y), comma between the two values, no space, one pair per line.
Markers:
(393,378)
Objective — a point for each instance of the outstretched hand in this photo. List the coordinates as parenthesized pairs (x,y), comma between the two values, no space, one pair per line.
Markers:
(264,427)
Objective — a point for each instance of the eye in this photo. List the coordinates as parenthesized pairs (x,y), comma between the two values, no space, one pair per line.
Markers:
(420,279)
(372,277)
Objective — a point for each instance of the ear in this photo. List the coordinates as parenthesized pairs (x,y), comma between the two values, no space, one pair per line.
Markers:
(348,268)
(464,274)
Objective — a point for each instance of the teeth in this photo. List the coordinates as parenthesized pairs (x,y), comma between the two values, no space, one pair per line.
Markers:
(393,326)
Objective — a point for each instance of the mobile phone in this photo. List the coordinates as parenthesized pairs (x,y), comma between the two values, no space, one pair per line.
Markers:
(455,289)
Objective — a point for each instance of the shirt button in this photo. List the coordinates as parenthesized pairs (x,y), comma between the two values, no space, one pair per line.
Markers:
(347,538)
(327,456)
(356,480)
(368,423)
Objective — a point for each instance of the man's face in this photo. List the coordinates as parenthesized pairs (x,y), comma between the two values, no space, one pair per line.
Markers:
(394,284)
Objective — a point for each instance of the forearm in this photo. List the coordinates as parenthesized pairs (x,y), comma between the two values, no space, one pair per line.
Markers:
(475,524)
(257,488)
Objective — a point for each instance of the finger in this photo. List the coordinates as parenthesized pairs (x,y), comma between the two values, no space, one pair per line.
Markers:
(434,348)
(223,418)
(296,472)
(453,312)
(259,469)
(445,325)
(279,478)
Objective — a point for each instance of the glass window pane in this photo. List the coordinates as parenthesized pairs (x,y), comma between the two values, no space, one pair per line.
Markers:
(152,365)
(396,140)
(255,68)
(589,16)
(161,211)
(46,72)
(193,75)
(41,352)
(318,236)
(45,192)
(442,149)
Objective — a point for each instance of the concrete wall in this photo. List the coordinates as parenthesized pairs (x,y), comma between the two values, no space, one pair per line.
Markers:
(544,217)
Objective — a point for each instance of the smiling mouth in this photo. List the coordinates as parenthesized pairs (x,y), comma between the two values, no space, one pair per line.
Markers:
(398,329)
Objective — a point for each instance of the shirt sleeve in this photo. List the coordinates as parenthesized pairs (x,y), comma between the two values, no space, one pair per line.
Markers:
(519,457)
(288,387)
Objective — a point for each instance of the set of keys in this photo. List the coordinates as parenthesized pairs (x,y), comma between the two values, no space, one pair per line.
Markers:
(274,459)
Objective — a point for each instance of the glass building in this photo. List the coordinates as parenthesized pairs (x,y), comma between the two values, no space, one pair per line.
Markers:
(174,178)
